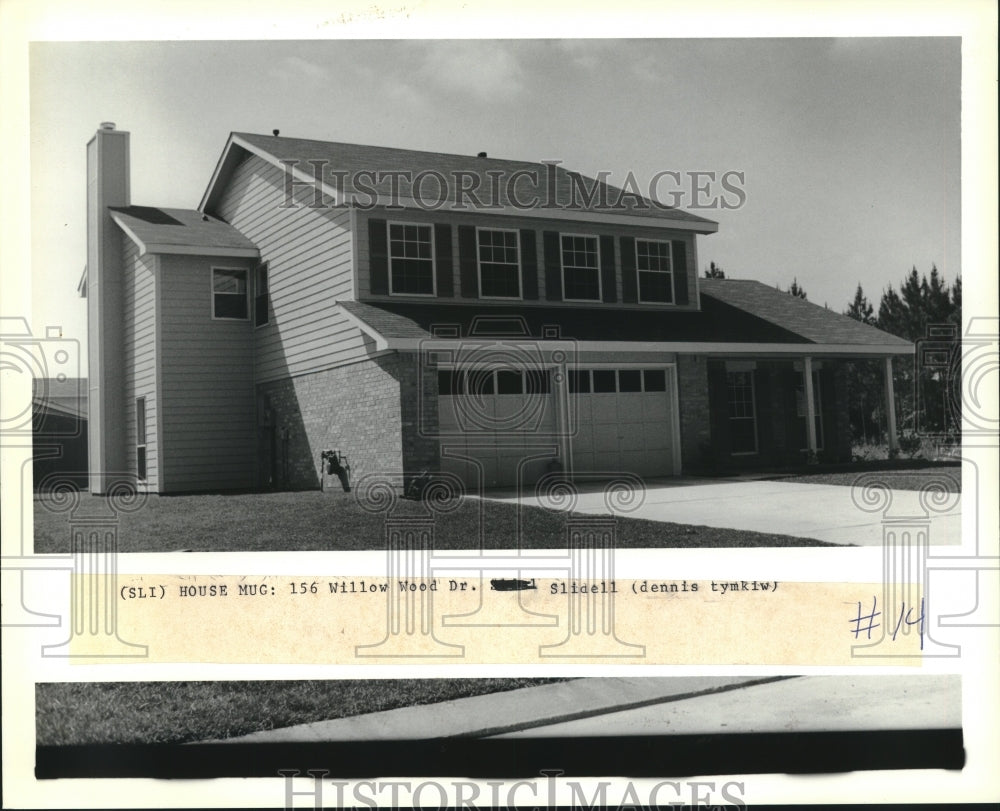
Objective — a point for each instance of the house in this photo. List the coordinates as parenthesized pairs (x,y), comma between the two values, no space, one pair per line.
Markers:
(59,432)
(421,312)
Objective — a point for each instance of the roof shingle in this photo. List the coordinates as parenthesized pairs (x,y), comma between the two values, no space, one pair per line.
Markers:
(529,182)
(181,228)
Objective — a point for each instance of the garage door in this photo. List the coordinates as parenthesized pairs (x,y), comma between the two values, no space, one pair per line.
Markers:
(625,421)
(498,426)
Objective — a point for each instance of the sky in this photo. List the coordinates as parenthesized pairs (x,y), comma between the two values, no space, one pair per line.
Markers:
(849,147)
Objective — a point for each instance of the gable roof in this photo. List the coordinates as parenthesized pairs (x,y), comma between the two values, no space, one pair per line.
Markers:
(68,396)
(814,323)
(181,231)
(721,325)
(531,189)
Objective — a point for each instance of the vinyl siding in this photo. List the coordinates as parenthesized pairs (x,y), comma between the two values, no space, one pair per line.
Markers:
(537,225)
(309,253)
(139,353)
(207,394)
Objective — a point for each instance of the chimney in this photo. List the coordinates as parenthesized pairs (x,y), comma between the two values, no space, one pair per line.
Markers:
(107,185)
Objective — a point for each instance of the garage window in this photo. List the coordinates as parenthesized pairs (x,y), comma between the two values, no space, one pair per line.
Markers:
(458,382)
(605,381)
(742,416)
(654,379)
(629,380)
(579,381)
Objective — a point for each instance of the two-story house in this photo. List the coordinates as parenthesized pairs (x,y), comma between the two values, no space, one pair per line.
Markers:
(424,312)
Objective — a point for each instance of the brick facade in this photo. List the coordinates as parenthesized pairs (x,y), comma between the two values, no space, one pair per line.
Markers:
(696,432)
(368,411)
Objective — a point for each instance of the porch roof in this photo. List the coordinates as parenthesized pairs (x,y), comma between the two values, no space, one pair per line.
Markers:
(720,325)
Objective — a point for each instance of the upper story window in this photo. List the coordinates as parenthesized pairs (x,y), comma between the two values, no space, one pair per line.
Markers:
(229,293)
(499,263)
(653,263)
(581,276)
(261,299)
(411,259)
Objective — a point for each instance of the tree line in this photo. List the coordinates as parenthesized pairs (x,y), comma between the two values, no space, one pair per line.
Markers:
(925,308)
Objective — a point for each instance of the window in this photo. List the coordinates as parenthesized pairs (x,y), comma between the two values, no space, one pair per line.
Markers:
(476,382)
(654,380)
(742,416)
(580,275)
(656,281)
(605,381)
(229,293)
(629,380)
(411,259)
(800,409)
(140,439)
(617,381)
(499,265)
(261,300)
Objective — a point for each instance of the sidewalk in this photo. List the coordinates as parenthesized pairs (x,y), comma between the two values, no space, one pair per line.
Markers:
(499,713)
(657,706)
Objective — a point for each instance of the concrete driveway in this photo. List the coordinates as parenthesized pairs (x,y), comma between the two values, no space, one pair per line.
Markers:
(821,511)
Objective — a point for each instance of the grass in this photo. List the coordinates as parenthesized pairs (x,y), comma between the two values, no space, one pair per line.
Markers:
(947,477)
(181,712)
(314,521)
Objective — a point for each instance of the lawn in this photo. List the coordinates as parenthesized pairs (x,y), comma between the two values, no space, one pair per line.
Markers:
(180,712)
(948,477)
(315,521)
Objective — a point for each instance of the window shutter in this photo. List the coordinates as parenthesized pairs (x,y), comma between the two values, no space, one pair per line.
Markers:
(609,291)
(765,432)
(680,268)
(630,283)
(468,265)
(378,257)
(442,260)
(529,265)
(553,266)
(718,409)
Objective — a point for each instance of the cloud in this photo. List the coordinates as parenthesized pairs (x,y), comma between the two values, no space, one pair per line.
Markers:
(479,68)
(295,68)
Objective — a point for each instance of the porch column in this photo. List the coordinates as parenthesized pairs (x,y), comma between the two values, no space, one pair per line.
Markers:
(807,371)
(890,409)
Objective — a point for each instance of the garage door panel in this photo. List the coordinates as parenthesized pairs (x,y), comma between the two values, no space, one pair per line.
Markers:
(632,440)
(655,407)
(605,409)
(630,408)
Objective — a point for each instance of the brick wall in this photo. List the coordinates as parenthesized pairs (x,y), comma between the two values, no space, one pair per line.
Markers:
(368,411)
(692,382)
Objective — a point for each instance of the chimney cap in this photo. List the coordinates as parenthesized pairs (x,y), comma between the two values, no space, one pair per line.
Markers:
(107,125)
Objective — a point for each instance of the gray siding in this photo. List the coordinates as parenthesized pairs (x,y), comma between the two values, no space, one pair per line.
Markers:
(206,383)
(500,220)
(310,256)
(139,351)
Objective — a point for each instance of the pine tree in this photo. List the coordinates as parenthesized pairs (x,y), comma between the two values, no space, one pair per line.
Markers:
(861,308)
(797,291)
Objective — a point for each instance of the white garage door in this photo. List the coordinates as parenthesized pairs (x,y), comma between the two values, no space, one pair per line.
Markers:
(499,427)
(625,421)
